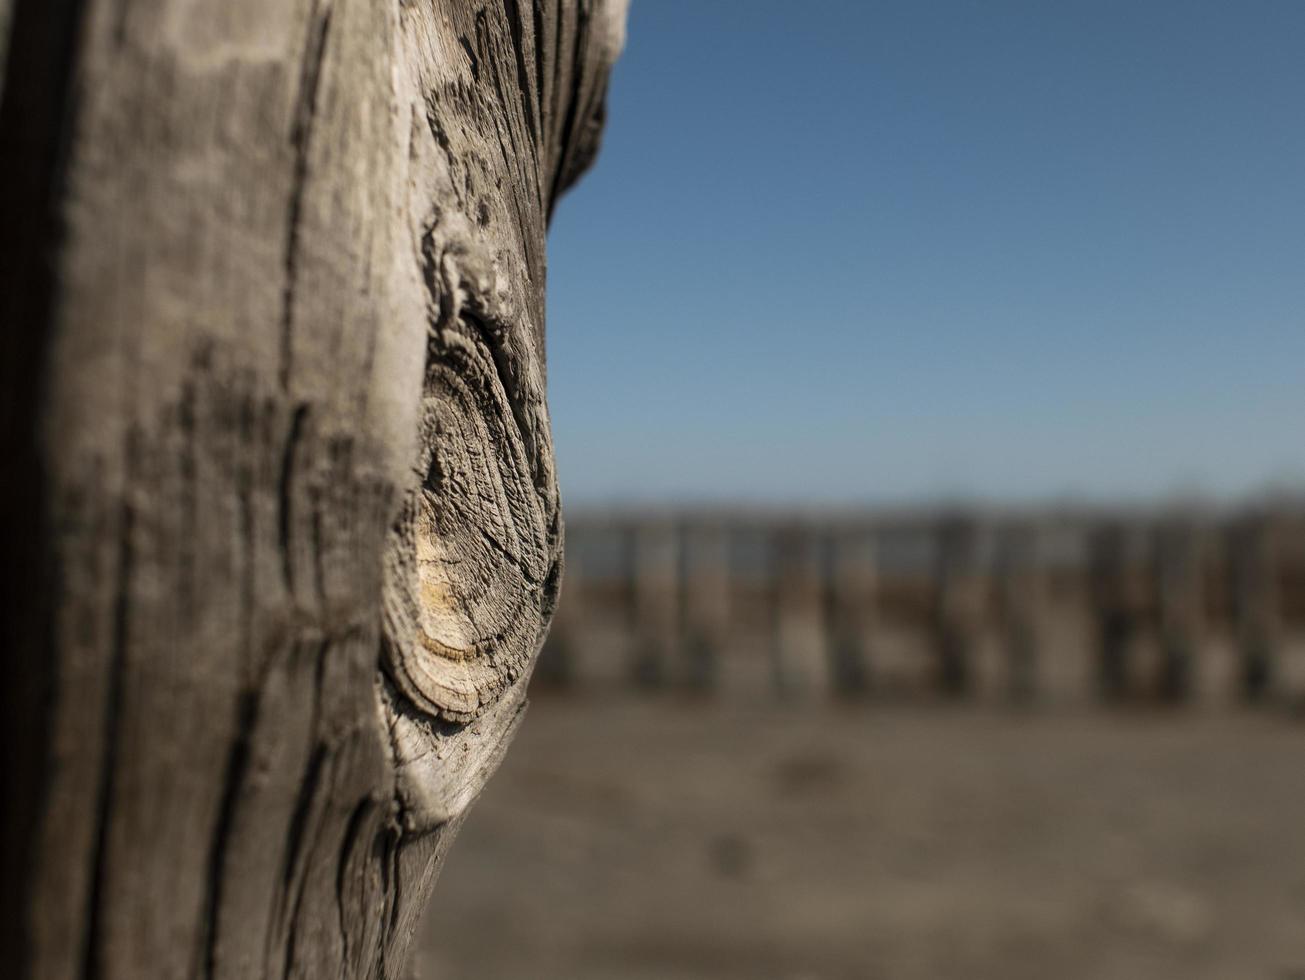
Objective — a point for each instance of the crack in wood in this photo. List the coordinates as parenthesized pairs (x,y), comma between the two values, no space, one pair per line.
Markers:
(529,95)
(93,949)
(245,811)
(246,718)
(300,139)
(286,495)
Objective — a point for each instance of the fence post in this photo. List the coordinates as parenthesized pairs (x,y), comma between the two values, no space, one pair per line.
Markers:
(1179,595)
(1022,595)
(706,602)
(655,567)
(801,664)
(1255,603)
(956,601)
(1116,600)
(850,592)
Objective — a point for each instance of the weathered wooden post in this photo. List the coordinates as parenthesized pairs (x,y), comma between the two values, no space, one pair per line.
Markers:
(955,602)
(655,596)
(1255,601)
(1022,597)
(281,525)
(1115,595)
(850,605)
(800,650)
(1179,591)
(706,601)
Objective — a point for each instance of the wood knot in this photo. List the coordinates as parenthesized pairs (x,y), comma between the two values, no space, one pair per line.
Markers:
(468,589)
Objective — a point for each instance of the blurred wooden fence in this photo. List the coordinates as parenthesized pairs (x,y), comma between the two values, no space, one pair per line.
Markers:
(1167,606)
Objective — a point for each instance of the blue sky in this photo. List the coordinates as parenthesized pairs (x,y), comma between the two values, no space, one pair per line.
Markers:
(888,251)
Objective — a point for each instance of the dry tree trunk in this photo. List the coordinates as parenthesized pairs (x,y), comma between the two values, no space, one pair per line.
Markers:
(282,525)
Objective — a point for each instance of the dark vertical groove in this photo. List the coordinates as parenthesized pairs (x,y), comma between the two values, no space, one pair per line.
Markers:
(286,496)
(471,56)
(387,846)
(39,107)
(187,465)
(312,773)
(537,13)
(92,951)
(347,844)
(565,174)
(555,107)
(249,562)
(396,879)
(319,552)
(291,924)
(234,778)
(286,912)
(300,139)
(299,818)
(518,28)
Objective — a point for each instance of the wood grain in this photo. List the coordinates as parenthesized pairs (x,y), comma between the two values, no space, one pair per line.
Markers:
(273,297)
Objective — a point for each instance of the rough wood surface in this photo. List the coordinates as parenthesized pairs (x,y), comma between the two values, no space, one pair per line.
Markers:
(283,500)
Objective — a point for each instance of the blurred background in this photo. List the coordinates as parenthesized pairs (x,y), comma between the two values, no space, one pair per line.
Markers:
(927,383)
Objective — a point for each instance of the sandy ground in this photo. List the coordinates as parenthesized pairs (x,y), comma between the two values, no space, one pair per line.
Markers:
(663,839)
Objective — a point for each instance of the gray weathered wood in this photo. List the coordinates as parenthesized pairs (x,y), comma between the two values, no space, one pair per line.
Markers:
(283,502)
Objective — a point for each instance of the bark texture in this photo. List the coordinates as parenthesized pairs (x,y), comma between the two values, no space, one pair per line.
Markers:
(283,527)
